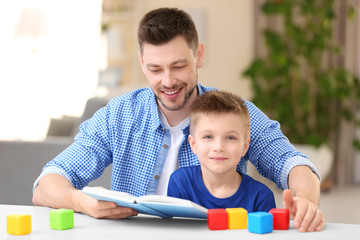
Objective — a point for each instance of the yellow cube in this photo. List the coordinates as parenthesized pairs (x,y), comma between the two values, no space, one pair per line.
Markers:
(237,218)
(18,224)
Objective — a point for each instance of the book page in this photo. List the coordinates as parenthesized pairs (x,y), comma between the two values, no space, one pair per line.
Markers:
(109,194)
(168,200)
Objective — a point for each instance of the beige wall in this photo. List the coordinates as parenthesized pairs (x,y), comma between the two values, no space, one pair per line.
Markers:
(228,40)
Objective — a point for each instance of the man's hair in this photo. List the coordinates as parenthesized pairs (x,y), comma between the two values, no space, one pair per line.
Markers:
(162,25)
(219,102)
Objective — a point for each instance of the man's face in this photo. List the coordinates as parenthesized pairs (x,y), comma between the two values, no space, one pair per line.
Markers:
(171,70)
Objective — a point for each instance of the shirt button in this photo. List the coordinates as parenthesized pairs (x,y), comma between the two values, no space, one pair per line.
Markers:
(156,177)
(165,146)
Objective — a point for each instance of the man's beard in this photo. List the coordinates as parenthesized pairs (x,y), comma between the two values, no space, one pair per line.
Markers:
(176,108)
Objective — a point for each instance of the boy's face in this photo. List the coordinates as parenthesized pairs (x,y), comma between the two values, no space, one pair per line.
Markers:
(219,141)
(171,70)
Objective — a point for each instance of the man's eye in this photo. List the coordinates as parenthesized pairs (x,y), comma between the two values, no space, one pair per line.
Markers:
(179,67)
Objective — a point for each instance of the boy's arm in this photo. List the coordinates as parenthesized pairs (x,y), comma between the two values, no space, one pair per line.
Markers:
(56,191)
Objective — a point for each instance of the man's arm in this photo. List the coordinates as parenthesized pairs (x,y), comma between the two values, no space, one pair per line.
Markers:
(56,191)
(303,199)
(303,182)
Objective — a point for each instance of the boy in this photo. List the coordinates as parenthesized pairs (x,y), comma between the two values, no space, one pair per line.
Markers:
(220,137)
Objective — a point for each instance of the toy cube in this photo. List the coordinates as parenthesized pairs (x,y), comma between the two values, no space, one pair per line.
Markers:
(237,218)
(18,224)
(281,218)
(217,219)
(260,222)
(61,219)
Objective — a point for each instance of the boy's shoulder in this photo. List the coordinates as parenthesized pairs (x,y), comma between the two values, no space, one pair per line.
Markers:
(190,170)
(250,183)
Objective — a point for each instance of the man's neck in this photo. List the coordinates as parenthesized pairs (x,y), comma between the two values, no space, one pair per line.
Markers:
(174,118)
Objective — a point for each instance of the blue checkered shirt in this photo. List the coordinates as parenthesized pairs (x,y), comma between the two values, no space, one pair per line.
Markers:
(129,134)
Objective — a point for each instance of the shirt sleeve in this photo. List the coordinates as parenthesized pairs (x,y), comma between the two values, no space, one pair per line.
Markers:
(177,185)
(266,202)
(86,159)
(51,169)
(270,151)
(173,190)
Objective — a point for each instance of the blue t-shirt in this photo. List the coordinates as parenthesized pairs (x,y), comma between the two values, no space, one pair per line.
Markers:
(187,183)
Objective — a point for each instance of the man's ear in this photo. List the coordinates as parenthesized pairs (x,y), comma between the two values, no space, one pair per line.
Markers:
(200,55)
(192,144)
(141,60)
(246,147)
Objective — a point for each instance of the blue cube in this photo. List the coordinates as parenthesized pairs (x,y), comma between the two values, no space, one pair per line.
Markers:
(260,222)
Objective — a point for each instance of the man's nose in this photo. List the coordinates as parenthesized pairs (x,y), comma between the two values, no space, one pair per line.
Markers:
(168,79)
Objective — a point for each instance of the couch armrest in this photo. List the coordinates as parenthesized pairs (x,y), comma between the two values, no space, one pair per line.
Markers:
(21,163)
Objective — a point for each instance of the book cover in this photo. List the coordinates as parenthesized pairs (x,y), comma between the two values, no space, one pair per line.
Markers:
(157,205)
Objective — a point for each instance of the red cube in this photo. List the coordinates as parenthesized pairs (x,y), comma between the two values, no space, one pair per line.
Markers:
(217,219)
(281,218)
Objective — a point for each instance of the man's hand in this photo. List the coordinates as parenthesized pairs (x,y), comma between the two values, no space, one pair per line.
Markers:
(57,192)
(101,209)
(307,216)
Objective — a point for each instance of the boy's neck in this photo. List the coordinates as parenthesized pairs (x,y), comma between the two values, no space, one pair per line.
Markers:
(222,186)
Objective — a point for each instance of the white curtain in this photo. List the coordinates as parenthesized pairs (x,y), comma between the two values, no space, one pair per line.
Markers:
(49,60)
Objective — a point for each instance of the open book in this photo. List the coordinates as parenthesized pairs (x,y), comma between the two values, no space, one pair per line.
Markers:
(157,205)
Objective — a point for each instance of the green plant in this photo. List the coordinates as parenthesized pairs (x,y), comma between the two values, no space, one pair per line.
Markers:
(301,82)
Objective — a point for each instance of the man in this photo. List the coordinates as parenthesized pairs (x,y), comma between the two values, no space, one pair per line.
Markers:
(144,134)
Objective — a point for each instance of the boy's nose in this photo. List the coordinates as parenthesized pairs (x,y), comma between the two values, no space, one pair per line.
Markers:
(219,145)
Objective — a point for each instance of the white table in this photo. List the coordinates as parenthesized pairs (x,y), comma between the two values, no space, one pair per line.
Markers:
(148,227)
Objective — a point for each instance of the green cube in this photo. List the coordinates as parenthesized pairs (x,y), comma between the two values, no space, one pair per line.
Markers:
(61,219)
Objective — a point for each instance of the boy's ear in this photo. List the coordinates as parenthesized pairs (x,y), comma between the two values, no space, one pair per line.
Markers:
(246,147)
(192,143)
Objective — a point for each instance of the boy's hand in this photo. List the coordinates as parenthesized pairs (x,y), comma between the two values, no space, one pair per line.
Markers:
(307,216)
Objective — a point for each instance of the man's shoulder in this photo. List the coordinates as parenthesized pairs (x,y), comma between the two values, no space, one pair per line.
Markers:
(203,89)
(138,95)
(142,98)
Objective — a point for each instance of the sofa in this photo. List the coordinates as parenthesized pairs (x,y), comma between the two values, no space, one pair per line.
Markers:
(21,162)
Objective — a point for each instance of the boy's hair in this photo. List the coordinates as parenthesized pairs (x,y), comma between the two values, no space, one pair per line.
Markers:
(218,102)
(162,25)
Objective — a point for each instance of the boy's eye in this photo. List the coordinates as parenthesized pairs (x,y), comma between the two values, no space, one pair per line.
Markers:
(231,138)
(207,137)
